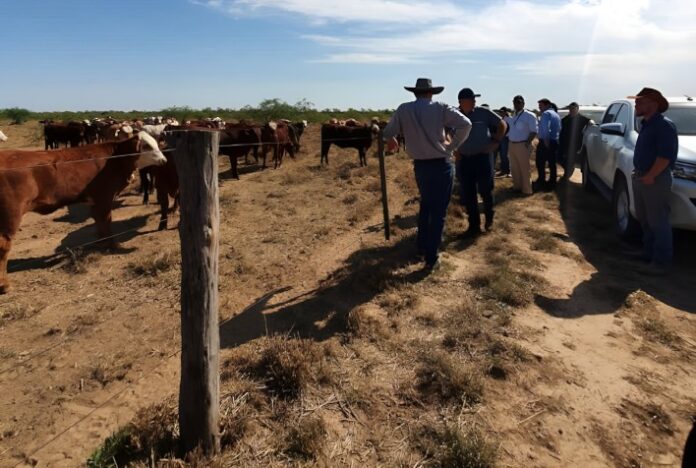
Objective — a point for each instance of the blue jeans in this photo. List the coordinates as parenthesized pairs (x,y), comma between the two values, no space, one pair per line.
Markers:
(652,211)
(503,153)
(435,179)
(475,174)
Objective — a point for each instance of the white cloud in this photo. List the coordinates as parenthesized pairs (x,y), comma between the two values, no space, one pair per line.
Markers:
(614,41)
(387,11)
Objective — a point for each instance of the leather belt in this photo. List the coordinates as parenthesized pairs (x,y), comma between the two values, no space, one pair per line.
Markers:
(521,141)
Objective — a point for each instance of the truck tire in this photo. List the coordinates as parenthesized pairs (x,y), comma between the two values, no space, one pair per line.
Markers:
(626,225)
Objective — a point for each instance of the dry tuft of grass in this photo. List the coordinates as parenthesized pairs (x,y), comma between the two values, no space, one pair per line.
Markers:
(655,329)
(350,199)
(452,447)
(154,265)
(17,311)
(398,300)
(441,377)
(286,366)
(305,439)
(152,434)
(365,322)
(77,261)
(511,287)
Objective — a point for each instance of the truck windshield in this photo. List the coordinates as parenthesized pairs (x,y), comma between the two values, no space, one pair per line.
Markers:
(684,119)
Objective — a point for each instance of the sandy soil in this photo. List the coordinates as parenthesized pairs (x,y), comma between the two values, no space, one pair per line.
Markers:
(604,373)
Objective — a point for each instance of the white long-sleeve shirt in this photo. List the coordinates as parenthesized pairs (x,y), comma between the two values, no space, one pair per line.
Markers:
(424,123)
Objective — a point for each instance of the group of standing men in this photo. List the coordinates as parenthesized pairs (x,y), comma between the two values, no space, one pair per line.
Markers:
(435,131)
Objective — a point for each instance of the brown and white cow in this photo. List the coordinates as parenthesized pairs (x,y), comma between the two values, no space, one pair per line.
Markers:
(44,181)
(343,136)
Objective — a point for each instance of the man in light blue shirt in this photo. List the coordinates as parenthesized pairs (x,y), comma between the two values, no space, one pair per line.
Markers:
(547,150)
(424,123)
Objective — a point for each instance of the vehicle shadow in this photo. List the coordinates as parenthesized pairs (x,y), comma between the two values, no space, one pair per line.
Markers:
(589,223)
(322,313)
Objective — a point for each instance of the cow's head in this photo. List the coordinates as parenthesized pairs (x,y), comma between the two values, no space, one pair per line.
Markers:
(3,137)
(150,153)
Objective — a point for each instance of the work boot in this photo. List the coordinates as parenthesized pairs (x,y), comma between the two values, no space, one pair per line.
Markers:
(489,222)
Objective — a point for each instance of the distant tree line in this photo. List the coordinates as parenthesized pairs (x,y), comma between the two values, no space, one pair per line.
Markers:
(266,110)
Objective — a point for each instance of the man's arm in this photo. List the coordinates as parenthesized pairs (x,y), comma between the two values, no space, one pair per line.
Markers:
(533,129)
(391,130)
(460,124)
(658,166)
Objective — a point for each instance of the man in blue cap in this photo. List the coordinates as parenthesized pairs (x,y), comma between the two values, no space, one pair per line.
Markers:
(423,124)
(475,160)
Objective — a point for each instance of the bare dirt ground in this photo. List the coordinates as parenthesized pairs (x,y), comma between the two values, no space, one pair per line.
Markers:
(537,344)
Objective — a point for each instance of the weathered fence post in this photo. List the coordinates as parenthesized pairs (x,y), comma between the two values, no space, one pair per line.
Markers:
(383,179)
(196,163)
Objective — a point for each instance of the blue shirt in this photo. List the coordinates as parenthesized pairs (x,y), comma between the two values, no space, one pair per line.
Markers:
(657,138)
(549,125)
(484,124)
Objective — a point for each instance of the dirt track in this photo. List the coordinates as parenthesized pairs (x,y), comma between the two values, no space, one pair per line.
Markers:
(88,339)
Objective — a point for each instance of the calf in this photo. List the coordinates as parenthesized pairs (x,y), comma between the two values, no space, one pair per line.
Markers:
(342,136)
(44,181)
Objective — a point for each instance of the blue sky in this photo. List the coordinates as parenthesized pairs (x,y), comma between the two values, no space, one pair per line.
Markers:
(151,54)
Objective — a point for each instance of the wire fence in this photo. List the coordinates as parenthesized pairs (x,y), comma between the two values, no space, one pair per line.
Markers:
(166,150)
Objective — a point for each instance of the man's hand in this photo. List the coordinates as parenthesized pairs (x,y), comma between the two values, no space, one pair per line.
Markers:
(392,145)
(491,147)
(647,180)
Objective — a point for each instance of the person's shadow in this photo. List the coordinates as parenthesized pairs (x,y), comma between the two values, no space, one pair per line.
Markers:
(589,223)
(323,312)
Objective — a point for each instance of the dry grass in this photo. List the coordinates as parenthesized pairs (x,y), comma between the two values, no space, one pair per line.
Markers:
(305,439)
(444,378)
(509,286)
(154,265)
(453,447)
(17,311)
(77,261)
(285,366)
(366,322)
(655,329)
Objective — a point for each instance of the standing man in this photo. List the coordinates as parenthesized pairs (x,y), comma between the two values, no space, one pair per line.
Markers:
(475,160)
(653,159)
(504,168)
(423,124)
(570,140)
(523,130)
(547,149)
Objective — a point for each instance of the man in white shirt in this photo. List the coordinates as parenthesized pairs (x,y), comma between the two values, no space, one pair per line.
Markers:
(523,128)
(424,123)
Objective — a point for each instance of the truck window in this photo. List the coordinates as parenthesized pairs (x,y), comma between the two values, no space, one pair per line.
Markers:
(610,114)
(624,117)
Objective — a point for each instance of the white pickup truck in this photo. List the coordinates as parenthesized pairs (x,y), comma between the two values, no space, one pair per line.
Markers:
(607,162)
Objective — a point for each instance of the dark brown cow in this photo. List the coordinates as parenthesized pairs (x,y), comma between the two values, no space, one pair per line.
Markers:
(70,134)
(359,138)
(44,181)
(236,141)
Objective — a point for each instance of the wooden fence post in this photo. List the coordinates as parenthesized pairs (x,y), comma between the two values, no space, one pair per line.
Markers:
(383,180)
(199,390)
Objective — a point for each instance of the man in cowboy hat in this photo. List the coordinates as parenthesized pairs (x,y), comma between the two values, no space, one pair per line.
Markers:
(424,123)
(475,160)
(653,158)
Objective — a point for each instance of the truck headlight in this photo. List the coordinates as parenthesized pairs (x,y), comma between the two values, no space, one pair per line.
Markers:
(685,170)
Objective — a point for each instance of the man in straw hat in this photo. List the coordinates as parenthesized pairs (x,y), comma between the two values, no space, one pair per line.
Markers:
(424,123)
(653,158)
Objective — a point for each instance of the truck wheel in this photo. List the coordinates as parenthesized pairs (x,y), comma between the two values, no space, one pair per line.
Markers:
(626,225)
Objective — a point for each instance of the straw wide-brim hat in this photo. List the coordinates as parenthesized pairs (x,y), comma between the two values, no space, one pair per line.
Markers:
(425,85)
(655,95)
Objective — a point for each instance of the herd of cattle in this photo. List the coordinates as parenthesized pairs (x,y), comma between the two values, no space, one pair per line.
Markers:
(92,161)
